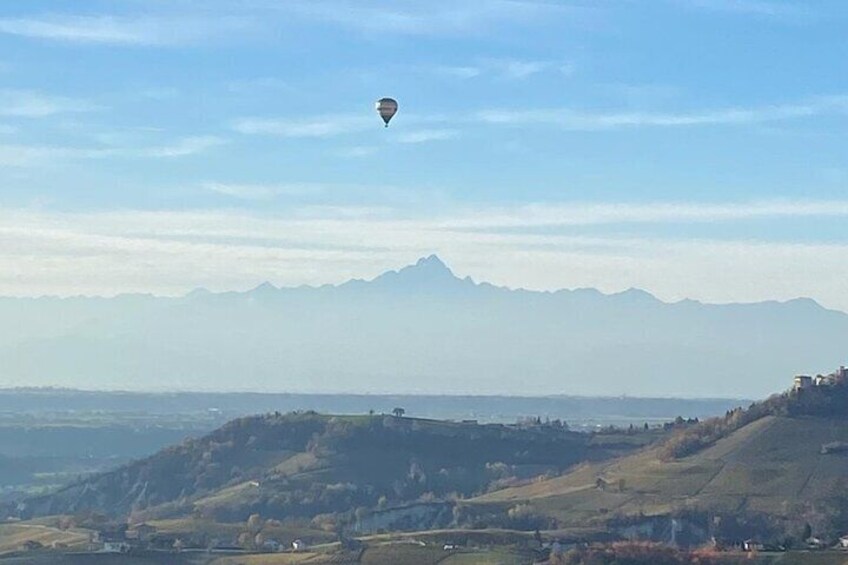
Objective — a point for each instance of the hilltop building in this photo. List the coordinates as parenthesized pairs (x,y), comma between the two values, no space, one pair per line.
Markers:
(839,376)
(802,382)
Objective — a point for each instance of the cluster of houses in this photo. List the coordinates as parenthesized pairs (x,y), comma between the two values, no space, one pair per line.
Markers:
(123,539)
(806,381)
(812,543)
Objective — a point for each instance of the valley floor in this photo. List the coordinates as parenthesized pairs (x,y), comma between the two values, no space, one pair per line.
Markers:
(390,554)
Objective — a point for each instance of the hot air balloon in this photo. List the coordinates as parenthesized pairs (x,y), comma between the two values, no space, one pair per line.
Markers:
(387,108)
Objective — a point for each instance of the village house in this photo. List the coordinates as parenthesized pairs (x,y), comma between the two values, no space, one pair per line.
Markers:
(298,545)
(272,546)
(141,533)
(752,545)
(816,543)
(803,381)
(111,532)
(115,547)
(112,539)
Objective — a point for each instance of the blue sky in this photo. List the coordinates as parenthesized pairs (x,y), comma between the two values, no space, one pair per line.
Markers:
(694,148)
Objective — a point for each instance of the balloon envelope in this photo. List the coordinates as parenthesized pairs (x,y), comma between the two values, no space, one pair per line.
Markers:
(387,108)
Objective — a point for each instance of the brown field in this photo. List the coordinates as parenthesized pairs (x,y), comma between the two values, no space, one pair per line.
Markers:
(12,536)
(770,465)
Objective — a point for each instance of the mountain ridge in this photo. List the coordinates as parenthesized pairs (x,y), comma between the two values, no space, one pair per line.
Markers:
(427,269)
(418,330)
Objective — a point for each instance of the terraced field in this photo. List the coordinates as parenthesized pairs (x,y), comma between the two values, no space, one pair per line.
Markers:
(770,465)
(12,536)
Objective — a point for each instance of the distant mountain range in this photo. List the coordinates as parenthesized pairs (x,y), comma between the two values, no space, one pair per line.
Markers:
(418,330)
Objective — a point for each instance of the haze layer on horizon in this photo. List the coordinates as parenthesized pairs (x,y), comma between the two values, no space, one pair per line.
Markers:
(418,330)
(692,148)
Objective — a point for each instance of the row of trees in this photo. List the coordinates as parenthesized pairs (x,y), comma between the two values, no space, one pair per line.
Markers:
(637,554)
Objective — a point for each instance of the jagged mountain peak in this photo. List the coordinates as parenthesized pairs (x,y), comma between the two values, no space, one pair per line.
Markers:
(431,262)
(427,273)
(430,266)
(265,287)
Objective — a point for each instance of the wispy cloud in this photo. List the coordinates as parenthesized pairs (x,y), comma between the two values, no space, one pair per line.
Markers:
(358,151)
(423,136)
(263,191)
(510,68)
(331,125)
(578,120)
(438,17)
(517,69)
(260,84)
(354,212)
(584,214)
(161,31)
(466,72)
(753,7)
(185,146)
(237,249)
(567,69)
(32,155)
(323,126)
(31,104)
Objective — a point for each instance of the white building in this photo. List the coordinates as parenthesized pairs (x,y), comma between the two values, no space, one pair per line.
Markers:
(803,381)
(115,547)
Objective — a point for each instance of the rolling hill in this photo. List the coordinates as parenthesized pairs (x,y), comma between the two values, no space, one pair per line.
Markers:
(417,330)
(776,471)
(305,465)
(773,473)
